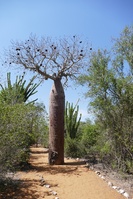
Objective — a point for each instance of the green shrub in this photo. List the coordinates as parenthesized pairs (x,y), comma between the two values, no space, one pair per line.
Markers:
(20,127)
(73,148)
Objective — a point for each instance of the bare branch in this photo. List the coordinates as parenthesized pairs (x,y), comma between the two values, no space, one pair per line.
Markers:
(66,57)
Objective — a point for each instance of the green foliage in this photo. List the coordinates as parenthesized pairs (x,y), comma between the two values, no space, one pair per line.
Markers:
(22,124)
(20,127)
(89,135)
(72,121)
(39,125)
(73,148)
(123,48)
(18,92)
(110,87)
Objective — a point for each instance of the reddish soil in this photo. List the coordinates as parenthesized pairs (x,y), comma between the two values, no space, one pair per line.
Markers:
(69,181)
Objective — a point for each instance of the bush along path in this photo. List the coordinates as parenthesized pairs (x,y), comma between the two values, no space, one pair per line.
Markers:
(74,179)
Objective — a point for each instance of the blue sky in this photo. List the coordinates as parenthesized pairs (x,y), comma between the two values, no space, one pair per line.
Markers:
(98,21)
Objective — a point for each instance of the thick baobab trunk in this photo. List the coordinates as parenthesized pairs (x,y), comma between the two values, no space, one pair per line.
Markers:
(56,125)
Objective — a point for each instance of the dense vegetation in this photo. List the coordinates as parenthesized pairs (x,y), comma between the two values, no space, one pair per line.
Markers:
(72,123)
(22,124)
(109,82)
(109,86)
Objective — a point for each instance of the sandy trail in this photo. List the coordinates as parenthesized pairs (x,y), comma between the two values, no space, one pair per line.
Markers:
(69,181)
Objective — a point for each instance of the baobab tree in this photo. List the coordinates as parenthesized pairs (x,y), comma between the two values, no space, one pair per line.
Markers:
(57,60)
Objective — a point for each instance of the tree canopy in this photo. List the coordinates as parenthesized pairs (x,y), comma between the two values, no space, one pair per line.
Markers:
(62,58)
(109,81)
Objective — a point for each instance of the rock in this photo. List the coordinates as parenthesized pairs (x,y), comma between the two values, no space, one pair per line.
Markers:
(118,188)
(54,193)
(103,177)
(114,187)
(126,195)
(121,191)
(97,172)
(47,185)
(110,184)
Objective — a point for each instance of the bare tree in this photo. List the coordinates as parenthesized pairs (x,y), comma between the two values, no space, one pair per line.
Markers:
(58,61)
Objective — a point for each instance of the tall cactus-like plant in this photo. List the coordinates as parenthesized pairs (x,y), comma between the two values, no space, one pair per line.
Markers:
(71,119)
(18,92)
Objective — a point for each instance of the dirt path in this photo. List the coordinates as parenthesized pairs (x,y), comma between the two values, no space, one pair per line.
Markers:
(70,181)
